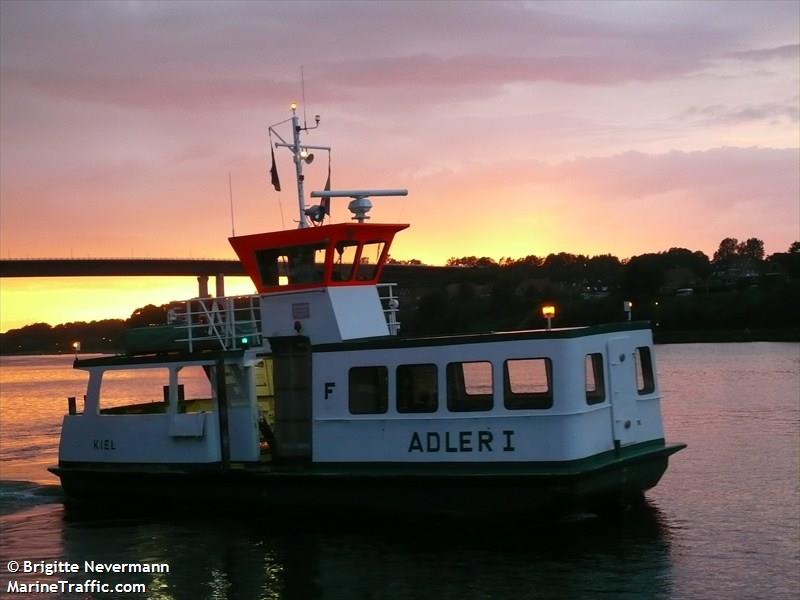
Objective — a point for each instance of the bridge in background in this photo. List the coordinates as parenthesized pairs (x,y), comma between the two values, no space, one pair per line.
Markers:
(126,267)
(406,276)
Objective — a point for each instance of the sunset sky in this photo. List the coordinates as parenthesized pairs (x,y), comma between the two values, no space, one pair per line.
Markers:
(518,128)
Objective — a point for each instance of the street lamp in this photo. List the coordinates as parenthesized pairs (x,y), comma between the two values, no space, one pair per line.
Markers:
(548,312)
(627,306)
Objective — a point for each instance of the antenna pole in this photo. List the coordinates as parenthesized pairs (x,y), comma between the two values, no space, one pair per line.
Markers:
(298,164)
(300,154)
(303,89)
(230,195)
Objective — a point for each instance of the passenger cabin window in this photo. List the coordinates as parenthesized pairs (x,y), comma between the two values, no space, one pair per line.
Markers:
(119,397)
(344,259)
(368,390)
(528,383)
(417,389)
(368,262)
(595,383)
(291,265)
(645,382)
(194,390)
(469,386)
(151,393)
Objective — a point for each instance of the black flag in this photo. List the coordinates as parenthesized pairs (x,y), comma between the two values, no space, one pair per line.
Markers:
(276,183)
(325,204)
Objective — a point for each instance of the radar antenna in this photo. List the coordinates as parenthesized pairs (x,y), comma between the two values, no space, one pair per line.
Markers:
(360,204)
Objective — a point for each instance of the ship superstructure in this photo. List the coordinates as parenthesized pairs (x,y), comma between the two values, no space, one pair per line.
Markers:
(309,397)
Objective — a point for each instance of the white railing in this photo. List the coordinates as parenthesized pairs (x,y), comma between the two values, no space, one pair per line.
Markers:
(390,303)
(232,322)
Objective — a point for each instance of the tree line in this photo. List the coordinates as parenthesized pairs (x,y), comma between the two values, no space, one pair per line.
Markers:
(738,293)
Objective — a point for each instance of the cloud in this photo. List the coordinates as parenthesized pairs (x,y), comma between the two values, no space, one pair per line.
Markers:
(718,178)
(229,56)
(152,104)
(785,52)
(625,203)
(718,114)
(423,71)
(151,91)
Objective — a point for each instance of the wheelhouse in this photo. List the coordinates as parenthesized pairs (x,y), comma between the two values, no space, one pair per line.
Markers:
(342,254)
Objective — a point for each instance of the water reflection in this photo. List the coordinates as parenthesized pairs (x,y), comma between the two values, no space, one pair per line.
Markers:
(729,530)
(270,558)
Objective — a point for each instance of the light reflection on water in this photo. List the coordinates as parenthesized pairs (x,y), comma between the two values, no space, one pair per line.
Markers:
(723,523)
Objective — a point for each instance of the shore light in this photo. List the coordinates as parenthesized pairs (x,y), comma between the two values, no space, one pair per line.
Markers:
(627,306)
(76,346)
(548,312)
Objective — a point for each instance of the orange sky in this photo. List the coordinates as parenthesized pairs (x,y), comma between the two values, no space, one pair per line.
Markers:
(518,128)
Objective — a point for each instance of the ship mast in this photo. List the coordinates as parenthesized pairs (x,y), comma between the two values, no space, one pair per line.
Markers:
(300,154)
(360,204)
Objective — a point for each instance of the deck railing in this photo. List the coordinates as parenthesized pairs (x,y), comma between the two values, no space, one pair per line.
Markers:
(390,303)
(234,322)
(231,321)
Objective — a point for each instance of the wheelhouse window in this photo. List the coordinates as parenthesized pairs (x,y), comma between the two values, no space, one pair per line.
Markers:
(595,383)
(528,383)
(292,264)
(469,386)
(369,260)
(368,390)
(417,389)
(344,260)
(645,382)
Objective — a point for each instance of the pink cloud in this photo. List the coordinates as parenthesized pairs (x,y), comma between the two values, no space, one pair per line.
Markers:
(146,106)
(718,177)
(633,201)
(787,52)
(229,56)
(731,115)
(422,71)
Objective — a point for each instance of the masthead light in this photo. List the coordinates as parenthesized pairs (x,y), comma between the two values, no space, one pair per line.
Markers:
(307,156)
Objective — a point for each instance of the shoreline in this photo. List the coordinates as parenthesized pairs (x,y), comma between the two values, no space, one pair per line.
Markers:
(715,336)
(704,336)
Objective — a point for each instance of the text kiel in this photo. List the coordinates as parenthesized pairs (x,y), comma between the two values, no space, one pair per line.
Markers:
(462,441)
(103,445)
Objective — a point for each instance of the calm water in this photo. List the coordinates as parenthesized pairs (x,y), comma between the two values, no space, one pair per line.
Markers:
(723,523)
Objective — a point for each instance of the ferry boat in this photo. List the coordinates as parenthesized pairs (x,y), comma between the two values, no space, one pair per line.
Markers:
(311,400)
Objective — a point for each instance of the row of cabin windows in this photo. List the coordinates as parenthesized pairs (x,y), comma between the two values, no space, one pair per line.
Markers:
(527,384)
